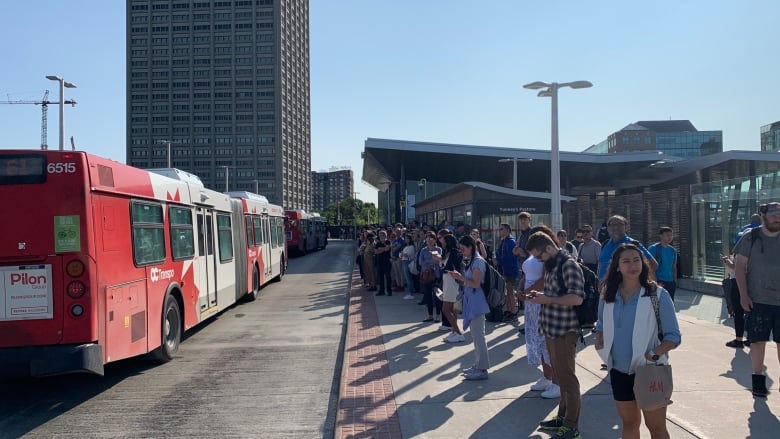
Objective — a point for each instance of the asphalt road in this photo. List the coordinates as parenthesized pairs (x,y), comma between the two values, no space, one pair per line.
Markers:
(265,369)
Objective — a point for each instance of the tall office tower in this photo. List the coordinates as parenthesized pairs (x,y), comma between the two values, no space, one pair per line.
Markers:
(224,87)
(328,187)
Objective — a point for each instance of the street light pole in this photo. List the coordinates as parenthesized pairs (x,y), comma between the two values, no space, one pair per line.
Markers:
(63,84)
(167,143)
(551,90)
(354,210)
(227,181)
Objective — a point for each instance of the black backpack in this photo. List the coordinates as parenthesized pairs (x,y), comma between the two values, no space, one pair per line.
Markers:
(588,310)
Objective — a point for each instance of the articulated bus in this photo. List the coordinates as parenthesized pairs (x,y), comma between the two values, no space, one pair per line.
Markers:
(100,261)
(305,231)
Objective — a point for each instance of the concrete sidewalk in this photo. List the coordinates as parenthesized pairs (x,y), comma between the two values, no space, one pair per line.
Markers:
(429,399)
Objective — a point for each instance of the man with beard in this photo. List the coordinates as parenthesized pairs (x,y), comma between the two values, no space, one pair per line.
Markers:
(759,288)
(618,226)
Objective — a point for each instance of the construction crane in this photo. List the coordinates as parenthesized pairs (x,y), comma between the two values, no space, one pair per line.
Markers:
(44,103)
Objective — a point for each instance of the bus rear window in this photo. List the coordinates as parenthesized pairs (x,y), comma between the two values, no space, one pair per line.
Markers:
(22,169)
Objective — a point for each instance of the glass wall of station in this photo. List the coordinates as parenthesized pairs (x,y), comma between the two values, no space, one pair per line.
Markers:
(718,210)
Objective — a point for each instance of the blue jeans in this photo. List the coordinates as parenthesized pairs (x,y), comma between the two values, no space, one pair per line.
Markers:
(409,277)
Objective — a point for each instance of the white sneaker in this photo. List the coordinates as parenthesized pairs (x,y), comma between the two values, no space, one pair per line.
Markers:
(540,385)
(443,328)
(454,337)
(552,392)
(408,297)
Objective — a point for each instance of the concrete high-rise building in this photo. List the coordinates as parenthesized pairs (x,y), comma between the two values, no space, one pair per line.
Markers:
(328,187)
(223,86)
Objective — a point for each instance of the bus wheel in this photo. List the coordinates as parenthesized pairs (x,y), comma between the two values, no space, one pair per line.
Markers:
(255,285)
(171,330)
(281,270)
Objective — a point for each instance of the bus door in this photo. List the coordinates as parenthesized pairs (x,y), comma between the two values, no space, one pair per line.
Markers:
(205,264)
(267,244)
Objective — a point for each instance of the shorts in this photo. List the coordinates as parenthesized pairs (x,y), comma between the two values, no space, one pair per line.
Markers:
(762,320)
(622,385)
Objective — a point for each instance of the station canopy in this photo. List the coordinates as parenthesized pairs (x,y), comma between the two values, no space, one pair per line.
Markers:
(581,173)
(388,161)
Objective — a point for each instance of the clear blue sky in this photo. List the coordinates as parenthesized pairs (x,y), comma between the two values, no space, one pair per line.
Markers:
(437,70)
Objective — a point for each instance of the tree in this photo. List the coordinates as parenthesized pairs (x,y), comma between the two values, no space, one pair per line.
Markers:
(353,212)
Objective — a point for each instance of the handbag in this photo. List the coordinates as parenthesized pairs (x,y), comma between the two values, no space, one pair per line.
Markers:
(653,383)
(458,305)
(653,386)
(450,288)
(413,268)
(729,285)
(428,276)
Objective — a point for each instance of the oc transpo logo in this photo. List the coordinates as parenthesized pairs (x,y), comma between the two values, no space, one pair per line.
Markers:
(157,274)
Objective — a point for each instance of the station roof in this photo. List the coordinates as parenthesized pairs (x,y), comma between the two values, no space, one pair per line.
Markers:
(581,173)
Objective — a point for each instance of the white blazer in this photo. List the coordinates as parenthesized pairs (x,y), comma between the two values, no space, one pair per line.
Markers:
(643,339)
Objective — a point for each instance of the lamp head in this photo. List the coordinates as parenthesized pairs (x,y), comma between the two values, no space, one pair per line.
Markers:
(53,77)
(536,85)
(580,84)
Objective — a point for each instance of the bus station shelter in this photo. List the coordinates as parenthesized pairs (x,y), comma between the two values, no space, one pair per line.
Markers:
(704,199)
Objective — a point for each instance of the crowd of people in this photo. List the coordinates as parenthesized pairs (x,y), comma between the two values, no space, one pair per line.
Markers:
(543,273)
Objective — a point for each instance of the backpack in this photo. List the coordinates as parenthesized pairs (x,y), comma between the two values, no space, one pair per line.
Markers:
(588,310)
(494,286)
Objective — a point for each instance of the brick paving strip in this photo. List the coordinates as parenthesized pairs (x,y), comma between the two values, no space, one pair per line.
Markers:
(367,406)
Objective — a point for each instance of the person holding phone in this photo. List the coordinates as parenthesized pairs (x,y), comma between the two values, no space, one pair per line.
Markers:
(475,306)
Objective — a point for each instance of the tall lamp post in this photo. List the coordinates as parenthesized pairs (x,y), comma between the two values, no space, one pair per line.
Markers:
(63,84)
(551,90)
(227,178)
(167,143)
(355,210)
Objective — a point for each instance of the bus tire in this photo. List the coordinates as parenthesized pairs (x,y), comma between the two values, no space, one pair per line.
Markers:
(252,295)
(171,330)
(282,266)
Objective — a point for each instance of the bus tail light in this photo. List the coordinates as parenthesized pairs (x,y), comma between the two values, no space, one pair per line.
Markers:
(77,310)
(75,268)
(76,289)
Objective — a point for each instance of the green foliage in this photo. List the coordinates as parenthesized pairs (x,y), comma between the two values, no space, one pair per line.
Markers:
(348,210)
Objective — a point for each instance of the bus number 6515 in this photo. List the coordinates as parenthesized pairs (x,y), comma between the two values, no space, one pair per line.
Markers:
(60,168)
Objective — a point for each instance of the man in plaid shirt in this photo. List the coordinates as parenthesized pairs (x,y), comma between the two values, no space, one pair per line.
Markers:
(560,326)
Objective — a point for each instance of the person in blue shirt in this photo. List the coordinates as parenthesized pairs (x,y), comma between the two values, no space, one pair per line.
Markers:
(475,306)
(628,335)
(617,226)
(666,256)
(506,264)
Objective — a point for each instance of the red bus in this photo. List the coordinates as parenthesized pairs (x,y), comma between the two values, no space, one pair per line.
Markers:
(266,249)
(305,231)
(100,261)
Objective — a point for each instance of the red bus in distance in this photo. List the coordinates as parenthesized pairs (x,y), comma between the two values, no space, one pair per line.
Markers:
(305,231)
